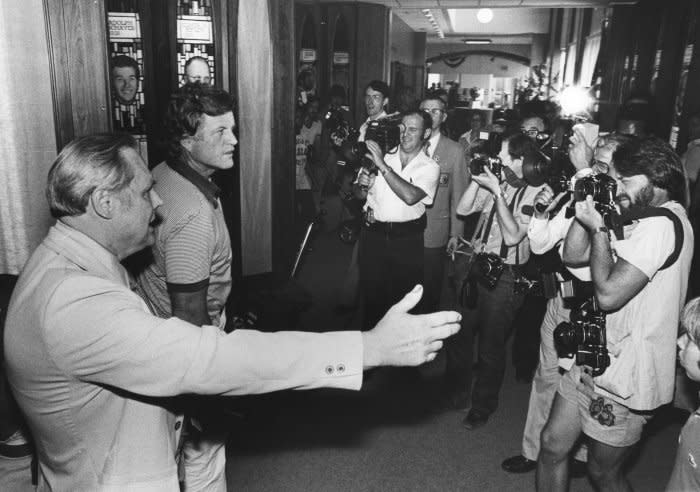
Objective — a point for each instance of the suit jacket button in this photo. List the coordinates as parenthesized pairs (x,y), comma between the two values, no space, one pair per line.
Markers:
(340,368)
(329,370)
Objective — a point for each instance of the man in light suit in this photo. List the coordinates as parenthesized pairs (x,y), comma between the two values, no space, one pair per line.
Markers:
(443,226)
(91,367)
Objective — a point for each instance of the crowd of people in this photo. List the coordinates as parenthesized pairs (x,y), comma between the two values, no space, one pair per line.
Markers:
(108,367)
(588,260)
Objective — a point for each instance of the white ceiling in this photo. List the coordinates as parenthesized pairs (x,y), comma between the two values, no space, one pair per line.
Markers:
(514,21)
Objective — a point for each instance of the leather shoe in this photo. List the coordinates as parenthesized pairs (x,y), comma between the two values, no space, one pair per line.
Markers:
(518,464)
(474,420)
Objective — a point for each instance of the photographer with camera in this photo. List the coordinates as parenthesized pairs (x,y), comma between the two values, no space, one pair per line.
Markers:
(547,231)
(391,241)
(639,285)
(500,246)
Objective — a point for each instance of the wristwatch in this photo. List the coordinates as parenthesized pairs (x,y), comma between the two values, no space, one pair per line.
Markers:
(601,229)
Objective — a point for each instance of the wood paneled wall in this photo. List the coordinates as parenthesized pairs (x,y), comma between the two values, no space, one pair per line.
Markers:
(283,103)
(372,51)
(77,36)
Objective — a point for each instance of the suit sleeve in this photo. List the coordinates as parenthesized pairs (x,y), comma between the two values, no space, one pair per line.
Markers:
(104,335)
(459,185)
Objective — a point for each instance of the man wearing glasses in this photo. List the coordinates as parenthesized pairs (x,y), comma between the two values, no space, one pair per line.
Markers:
(391,241)
(443,226)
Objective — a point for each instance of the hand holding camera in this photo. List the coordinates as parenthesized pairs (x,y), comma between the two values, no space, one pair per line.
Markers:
(546,201)
(489,181)
(365,179)
(587,214)
(374,152)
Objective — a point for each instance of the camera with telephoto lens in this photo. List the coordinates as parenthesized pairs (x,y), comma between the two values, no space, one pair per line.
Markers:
(485,154)
(584,338)
(385,131)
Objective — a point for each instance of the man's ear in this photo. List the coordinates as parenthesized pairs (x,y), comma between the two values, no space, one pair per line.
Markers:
(427,133)
(103,202)
(386,103)
(187,142)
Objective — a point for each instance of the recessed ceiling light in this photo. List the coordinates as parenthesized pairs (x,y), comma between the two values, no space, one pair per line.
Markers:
(477,41)
(484,16)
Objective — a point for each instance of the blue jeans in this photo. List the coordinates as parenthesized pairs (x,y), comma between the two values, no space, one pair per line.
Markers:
(491,318)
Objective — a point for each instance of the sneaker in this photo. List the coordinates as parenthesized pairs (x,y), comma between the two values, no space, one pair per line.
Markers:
(518,464)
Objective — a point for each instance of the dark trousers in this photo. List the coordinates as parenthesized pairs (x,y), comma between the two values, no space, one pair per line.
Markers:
(390,266)
(305,207)
(491,319)
(434,260)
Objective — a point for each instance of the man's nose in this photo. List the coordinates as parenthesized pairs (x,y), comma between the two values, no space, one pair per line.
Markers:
(155,199)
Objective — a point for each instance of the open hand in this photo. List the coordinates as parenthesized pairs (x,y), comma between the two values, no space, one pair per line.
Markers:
(402,339)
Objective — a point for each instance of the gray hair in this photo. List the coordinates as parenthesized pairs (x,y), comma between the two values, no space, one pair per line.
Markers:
(84,165)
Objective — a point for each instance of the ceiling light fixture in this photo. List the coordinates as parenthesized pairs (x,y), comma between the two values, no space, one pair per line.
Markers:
(484,15)
(436,27)
(477,41)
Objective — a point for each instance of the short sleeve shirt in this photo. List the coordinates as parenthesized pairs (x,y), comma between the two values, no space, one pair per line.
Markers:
(192,248)
(304,139)
(686,470)
(484,202)
(422,172)
(642,334)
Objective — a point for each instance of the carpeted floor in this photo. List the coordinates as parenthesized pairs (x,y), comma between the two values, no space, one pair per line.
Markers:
(393,435)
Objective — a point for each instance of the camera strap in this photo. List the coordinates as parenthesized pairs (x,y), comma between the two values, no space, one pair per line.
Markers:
(628,217)
(514,202)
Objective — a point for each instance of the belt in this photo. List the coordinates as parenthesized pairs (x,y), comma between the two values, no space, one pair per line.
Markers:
(399,228)
(15,451)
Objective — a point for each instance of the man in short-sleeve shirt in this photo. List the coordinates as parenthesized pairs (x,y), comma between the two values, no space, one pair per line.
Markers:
(641,294)
(391,241)
(191,274)
(503,233)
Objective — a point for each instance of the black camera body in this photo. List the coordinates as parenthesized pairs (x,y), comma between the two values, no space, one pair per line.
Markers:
(480,162)
(487,269)
(485,154)
(603,189)
(584,338)
(385,131)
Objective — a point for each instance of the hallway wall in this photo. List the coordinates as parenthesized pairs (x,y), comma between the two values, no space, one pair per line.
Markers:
(27,131)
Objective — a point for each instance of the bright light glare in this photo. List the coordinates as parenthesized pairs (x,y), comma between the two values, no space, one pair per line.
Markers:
(575,100)
(484,16)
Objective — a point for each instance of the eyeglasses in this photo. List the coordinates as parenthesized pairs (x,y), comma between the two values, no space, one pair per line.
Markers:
(433,111)
(602,412)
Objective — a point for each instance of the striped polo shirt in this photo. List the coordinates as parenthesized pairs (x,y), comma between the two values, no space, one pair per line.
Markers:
(192,249)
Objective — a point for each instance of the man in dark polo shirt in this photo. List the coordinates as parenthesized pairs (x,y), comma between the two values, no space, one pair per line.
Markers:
(190,277)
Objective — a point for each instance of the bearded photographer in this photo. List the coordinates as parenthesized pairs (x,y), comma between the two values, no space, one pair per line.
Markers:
(547,231)
(501,240)
(391,241)
(639,285)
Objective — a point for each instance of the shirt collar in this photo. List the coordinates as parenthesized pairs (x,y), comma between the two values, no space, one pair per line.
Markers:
(379,117)
(85,252)
(210,191)
(434,139)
